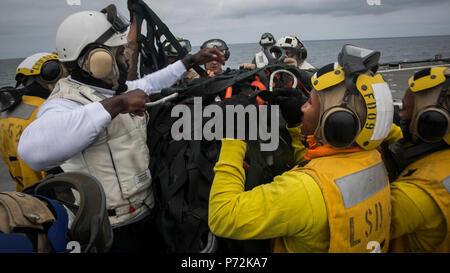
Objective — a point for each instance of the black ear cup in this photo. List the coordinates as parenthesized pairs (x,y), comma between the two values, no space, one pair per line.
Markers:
(303,52)
(432,125)
(50,71)
(341,128)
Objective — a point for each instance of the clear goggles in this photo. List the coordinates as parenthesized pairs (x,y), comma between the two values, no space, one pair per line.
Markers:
(219,44)
(355,59)
(267,39)
(119,22)
(170,50)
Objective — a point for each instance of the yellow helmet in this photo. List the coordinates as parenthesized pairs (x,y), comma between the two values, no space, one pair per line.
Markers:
(361,115)
(34,66)
(430,120)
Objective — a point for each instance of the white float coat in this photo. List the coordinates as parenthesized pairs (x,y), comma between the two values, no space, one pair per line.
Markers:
(63,127)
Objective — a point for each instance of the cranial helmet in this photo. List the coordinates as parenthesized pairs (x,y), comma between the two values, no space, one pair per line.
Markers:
(355,103)
(219,44)
(430,118)
(92,38)
(170,50)
(293,43)
(46,65)
(267,39)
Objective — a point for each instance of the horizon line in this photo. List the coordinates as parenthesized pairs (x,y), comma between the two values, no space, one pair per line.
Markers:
(368,38)
(315,40)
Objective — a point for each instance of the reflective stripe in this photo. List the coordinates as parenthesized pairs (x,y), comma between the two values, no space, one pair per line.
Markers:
(446,183)
(22,111)
(359,186)
(261,60)
(385,111)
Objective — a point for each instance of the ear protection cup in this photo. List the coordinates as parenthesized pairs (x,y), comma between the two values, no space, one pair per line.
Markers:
(100,63)
(432,124)
(302,50)
(432,121)
(340,127)
(50,71)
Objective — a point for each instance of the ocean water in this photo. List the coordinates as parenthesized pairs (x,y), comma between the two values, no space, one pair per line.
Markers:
(320,53)
(323,52)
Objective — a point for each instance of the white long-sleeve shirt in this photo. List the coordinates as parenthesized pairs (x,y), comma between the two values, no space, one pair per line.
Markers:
(64,128)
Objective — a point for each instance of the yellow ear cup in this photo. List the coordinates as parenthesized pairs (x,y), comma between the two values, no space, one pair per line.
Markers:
(100,63)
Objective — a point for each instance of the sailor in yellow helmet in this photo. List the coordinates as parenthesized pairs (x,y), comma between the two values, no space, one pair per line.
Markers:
(338,200)
(421,193)
(37,75)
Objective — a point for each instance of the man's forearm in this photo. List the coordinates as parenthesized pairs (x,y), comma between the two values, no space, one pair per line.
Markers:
(160,79)
(113,105)
(58,135)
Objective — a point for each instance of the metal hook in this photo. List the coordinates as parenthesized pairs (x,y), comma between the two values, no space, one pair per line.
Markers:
(294,85)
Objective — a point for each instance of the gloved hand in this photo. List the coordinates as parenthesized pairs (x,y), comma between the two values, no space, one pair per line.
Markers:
(290,101)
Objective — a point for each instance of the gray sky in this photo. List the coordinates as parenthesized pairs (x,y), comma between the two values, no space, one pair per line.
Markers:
(29,26)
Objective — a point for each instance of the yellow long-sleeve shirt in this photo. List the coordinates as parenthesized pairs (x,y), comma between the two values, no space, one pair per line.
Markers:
(416,214)
(297,145)
(395,134)
(291,207)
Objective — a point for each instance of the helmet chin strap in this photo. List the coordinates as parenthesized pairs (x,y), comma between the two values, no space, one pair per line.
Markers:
(116,71)
(115,82)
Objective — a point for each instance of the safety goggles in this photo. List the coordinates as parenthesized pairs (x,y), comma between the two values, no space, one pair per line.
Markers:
(119,23)
(219,44)
(267,36)
(170,50)
(355,59)
(267,39)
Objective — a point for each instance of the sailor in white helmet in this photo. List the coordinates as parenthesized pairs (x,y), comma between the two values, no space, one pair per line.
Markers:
(296,53)
(260,60)
(95,121)
(267,40)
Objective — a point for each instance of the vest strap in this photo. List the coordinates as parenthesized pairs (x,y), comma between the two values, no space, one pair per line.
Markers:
(129,208)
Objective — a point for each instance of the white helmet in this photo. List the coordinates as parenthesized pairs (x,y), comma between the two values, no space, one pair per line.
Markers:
(294,43)
(87,27)
(43,64)
(288,41)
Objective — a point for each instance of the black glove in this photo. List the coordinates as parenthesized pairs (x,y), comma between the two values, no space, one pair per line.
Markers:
(290,101)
